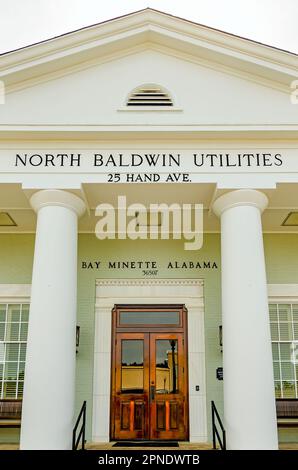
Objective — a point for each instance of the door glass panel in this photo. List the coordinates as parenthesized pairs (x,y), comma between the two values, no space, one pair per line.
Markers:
(132,366)
(150,318)
(166,369)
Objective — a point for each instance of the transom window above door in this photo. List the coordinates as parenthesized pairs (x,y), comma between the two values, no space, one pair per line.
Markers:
(155,316)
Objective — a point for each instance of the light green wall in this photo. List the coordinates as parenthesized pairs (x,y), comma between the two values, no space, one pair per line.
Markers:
(16,254)
(91,248)
(281,254)
(16,258)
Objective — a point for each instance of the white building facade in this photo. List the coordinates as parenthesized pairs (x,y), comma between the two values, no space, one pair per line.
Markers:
(155,109)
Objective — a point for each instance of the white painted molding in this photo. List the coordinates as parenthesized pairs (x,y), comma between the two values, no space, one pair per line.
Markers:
(150,282)
(240,197)
(15,292)
(133,29)
(145,109)
(149,291)
(56,197)
(283,292)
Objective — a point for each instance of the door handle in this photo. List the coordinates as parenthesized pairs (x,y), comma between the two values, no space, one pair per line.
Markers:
(152,392)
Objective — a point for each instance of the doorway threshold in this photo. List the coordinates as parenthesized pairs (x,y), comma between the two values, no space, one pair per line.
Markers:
(146,444)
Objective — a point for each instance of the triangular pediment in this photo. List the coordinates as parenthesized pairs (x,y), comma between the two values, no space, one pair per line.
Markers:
(213,79)
(118,36)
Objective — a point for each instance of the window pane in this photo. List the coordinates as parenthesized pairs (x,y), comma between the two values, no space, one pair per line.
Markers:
(288,389)
(287,371)
(13,313)
(9,389)
(11,371)
(287,347)
(277,390)
(285,351)
(2,312)
(275,351)
(132,366)
(2,352)
(149,318)
(23,348)
(166,366)
(274,331)
(284,311)
(12,331)
(2,331)
(12,352)
(294,353)
(285,331)
(25,312)
(24,331)
(295,312)
(21,371)
(276,370)
(20,389)
(273,312)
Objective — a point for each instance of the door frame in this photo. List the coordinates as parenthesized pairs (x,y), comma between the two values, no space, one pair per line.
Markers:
(146,291)
(148,329)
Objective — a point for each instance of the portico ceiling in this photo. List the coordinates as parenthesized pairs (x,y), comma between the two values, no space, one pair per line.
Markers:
(282,201)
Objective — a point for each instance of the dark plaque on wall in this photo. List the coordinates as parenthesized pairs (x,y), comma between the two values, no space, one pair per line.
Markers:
(219,373)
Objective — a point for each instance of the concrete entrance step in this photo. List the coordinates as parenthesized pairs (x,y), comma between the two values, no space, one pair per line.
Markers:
(182,446)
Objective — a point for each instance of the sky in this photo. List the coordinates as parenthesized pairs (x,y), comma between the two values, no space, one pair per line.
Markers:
(273,22)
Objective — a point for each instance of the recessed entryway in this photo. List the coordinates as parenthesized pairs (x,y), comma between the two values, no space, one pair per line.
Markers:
(162,292)
(149,397)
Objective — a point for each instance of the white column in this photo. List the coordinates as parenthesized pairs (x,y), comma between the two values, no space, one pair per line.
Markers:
(249,402)
(49,389)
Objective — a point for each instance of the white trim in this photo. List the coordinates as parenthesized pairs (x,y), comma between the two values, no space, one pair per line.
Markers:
(145,109)
(116,291)
(56,197)
(283,292)
(150,26)
(137,128)
(148,46)
(15,292)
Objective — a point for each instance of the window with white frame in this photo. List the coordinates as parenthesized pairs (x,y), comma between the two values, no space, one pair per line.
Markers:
(13,341)
(284,337)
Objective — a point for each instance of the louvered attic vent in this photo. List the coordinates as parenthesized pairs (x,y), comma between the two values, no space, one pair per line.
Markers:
(149,96)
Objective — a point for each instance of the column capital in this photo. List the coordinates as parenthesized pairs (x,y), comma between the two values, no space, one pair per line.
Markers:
(57,197)
(240,197)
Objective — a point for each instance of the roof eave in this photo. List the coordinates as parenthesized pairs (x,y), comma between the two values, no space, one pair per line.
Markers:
(130,30)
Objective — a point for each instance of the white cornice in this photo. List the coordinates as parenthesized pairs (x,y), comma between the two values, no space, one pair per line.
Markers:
(145,18)
(149,282)
(19,68)
(139,48)
(15,292)
(127,132)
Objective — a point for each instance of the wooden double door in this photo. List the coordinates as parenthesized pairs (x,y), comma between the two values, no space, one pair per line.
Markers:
(149,386)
